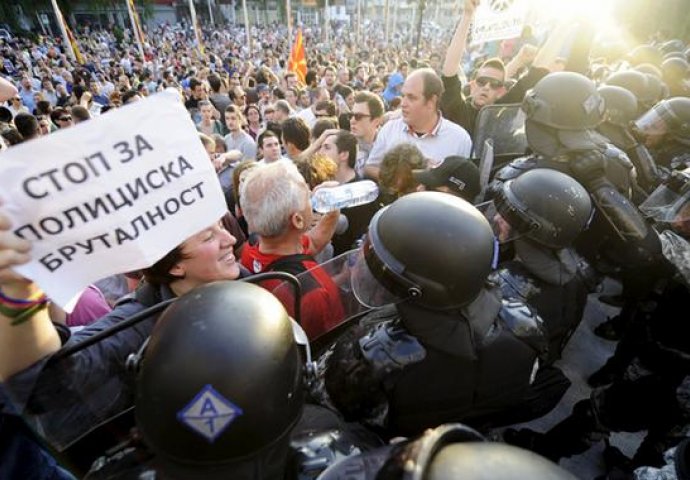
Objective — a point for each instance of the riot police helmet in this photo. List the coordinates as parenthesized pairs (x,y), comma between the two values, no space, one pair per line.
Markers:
(455,451)
(221,380)
(621,105)
(670,116)
(675,70)
(582,108)
(632,80)
(556,122)
(430,248)
(645,54)
(547,206)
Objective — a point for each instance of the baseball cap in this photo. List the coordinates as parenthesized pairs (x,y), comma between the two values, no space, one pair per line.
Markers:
(457,173)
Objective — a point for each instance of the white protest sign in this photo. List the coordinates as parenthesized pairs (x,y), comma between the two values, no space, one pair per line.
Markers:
(110,195)
(498,19)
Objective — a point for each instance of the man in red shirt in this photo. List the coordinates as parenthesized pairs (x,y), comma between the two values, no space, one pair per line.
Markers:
(276,203)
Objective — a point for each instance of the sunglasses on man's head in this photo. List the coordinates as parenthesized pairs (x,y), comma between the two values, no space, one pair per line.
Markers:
(492,82)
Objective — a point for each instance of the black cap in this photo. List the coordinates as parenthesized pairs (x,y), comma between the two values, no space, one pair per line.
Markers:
(457,173)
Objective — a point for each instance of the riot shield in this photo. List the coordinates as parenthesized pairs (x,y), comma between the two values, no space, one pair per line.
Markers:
(336,272)
(504,125)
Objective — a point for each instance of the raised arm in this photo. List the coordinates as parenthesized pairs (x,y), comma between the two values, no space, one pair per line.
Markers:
(23,341)
(456,49)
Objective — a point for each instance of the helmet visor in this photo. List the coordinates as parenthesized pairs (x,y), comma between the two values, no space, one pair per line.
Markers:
(666,206)
(656,121)
(369,291)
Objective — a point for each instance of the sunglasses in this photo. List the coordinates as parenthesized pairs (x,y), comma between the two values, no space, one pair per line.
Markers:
(359,116)
(492,82)
(65,119)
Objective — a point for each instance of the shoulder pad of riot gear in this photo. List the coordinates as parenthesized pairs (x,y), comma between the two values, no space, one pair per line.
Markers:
(524,323)
(389,347)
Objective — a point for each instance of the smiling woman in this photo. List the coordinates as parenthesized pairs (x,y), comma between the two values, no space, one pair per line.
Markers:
(92,383)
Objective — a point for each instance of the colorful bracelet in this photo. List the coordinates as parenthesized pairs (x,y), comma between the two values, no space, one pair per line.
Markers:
(35,298)
(21,310)
(19,316)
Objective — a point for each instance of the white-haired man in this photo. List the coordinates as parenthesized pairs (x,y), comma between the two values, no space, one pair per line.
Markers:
(276,203)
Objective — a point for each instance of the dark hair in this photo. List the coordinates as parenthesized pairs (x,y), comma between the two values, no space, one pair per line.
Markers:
(193,83)
(321,125)
(43,107)
(128,95)
(376,108)
(214,82)
(80,114)
(328,106)
(310,77)
(253,106)
(27,125)
(266,134)
(159,273)
(346,142)
(296,132)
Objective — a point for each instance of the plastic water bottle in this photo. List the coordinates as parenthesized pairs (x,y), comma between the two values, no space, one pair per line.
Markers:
(347,195)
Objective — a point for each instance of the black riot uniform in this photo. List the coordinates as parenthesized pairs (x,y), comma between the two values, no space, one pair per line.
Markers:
(621,111)
(450,451)
(667,127)
(220,395)
(546,211)
(645,386)
(559,130)
(447,347)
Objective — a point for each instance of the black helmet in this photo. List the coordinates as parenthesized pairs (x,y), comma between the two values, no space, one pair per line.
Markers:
(675,45)
(648,69)
(545,205)
(645,54)
(433,248)
(621,105)
(632,80)
(454,451)
(580,109)
(221,380)
(557,123)
(675,70)
(670,116)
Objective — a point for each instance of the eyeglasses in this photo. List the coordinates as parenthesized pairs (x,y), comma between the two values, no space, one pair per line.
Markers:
(65,119)
(492,82)
(359,116)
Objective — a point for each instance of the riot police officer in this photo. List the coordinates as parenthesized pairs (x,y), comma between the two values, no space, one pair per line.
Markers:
(665,129)
(447,452)
(447,346)
(644,386)
(542,212)
(220,394)
(559,130)
(621,111)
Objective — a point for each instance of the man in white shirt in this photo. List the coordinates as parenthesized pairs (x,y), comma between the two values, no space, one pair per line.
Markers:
(421,125)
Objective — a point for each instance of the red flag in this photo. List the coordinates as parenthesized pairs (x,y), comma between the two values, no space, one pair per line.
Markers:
(298,59)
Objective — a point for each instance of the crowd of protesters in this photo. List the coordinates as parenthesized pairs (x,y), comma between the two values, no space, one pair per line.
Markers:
(401,112)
